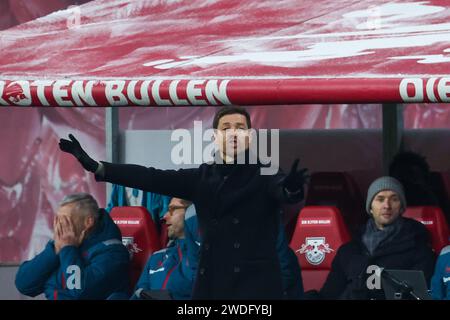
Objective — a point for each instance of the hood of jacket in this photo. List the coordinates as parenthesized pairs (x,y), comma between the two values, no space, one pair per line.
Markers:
(105,230)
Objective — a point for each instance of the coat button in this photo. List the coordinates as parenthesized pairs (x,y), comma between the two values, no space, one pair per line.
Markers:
(237,245)
(235,220)
(237,269)
(215,222)
(206,246)
(202,271)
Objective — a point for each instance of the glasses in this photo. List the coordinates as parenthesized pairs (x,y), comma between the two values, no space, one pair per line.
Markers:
(173,208)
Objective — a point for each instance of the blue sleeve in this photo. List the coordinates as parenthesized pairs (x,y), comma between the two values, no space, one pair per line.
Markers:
(105,273)
(33,274)
(290,269)
(439,289)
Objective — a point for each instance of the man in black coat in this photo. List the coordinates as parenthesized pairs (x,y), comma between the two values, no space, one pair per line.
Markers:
(387,241)
(237,208)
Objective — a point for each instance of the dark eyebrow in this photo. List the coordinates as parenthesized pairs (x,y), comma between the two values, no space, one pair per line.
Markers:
(176,207)
(242,124)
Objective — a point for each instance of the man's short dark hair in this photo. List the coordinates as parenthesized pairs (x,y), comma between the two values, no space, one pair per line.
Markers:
(231,110)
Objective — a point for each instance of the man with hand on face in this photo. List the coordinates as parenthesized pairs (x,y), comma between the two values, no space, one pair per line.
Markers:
(237,208)
(85,260)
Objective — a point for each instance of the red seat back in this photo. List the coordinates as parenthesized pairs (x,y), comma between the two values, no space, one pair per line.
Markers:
(139,234)
(434,221)
(319,233)
(340,190)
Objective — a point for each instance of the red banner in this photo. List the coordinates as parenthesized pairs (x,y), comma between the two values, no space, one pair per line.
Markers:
(212,92)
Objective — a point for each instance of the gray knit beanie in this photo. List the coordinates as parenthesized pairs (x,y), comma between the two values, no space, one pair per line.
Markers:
(385,183)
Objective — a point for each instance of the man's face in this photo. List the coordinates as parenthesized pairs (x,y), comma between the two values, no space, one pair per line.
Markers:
(232,135)
(385,208)
(78,220)
(174,218)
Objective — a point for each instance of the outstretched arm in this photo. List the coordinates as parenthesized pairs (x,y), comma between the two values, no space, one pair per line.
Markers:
(176,183)
(73,147)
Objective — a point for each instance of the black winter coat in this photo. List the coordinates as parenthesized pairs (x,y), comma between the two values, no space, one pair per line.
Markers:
(410,249)
(238,214)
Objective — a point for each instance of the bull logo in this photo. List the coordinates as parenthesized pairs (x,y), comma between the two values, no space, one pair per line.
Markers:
(18,93)
(131,246)
(315,250)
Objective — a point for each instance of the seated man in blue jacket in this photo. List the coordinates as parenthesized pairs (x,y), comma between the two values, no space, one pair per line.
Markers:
(85,260)
(440,282)
(173,269)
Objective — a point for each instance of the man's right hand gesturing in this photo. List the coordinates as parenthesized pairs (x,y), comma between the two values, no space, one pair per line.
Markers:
(73,147)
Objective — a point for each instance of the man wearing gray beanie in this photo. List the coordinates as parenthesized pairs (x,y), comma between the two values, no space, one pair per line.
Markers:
(388,240)
(390,189)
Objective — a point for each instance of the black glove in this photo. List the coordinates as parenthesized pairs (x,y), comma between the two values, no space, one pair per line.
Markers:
(295,180)
(73,146)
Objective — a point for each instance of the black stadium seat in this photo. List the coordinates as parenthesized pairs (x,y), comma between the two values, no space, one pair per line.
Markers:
(340,190)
